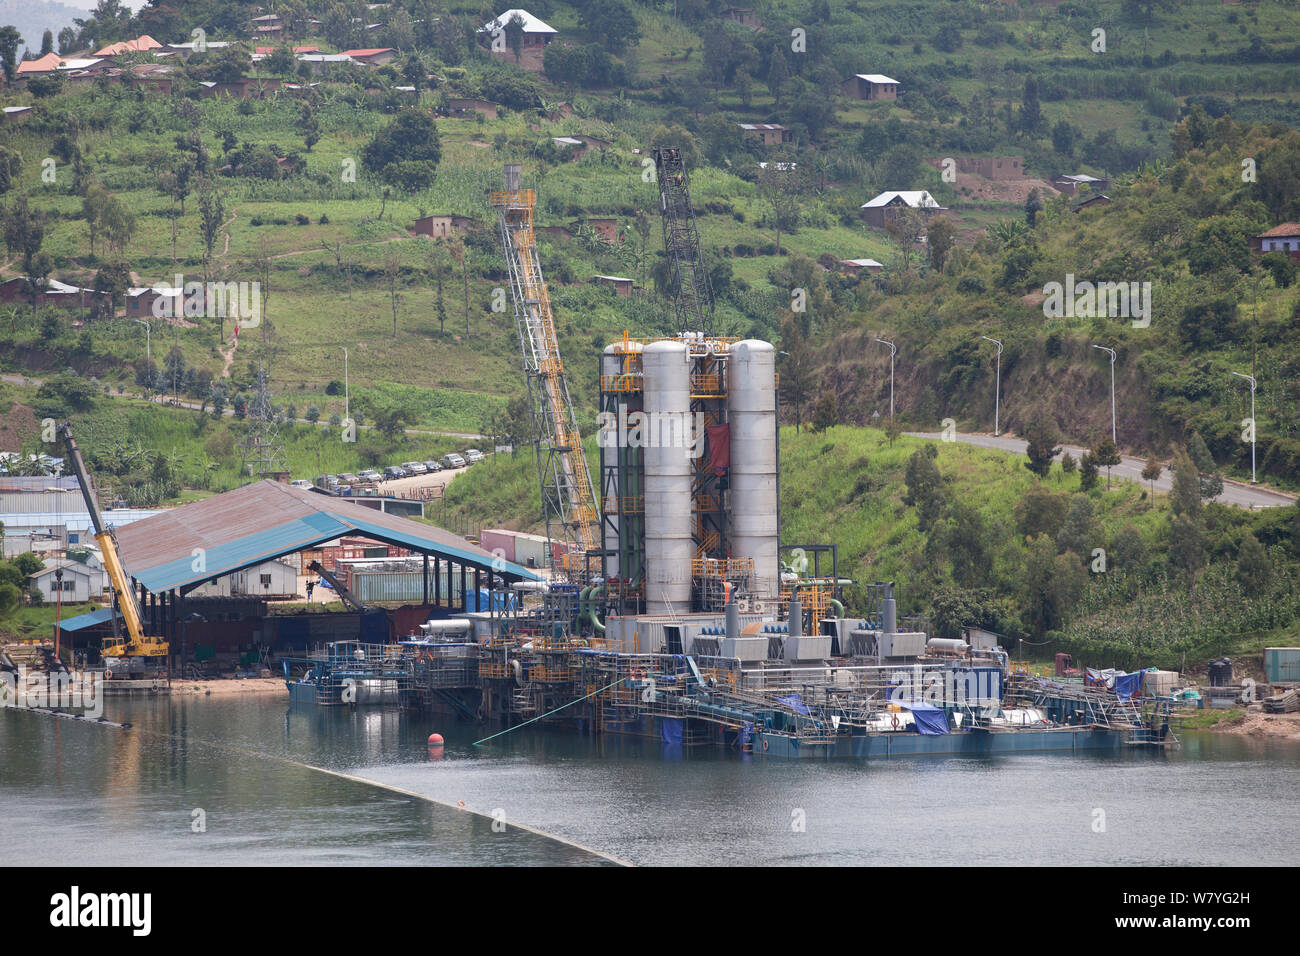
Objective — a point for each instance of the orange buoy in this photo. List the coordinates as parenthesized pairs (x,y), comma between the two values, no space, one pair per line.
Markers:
(435,740)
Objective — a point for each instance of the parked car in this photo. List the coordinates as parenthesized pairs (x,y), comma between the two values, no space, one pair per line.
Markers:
(328,482)
(414,467)
(432,467)
(394,471)
(370,475)
(349,479)
(302,483)
(473,455)
(453,460)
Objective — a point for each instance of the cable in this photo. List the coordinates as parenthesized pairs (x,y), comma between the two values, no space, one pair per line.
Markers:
(548,713)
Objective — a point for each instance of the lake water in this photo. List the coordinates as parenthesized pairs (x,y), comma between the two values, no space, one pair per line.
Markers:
(79,793)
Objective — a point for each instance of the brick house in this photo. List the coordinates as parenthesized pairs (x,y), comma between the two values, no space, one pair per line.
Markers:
(442,226)
(878,211)
(536,36)
(1283,238)
(771,134)
(870,86)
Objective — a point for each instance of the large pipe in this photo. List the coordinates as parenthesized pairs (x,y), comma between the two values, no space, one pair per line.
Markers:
(733,620)
(751,413)
(794,619)
(591,609)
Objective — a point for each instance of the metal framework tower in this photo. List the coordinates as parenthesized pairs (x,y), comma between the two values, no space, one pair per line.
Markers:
(568,498)
(688,278)
(262,451)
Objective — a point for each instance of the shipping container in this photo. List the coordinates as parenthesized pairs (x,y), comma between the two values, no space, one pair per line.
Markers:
(1282,664)
(499,541)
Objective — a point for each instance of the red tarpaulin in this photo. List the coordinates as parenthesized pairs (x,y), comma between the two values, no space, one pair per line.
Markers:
(720,447)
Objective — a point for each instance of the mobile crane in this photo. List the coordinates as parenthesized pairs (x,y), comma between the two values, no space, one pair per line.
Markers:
(136,643)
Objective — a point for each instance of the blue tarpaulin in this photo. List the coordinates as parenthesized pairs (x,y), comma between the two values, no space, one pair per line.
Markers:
(670,728)
(1129,685)
(929,719)
(795,703)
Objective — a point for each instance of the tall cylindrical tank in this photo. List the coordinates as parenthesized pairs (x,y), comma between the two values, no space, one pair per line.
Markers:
(751,412)
(626,483)
(666,389)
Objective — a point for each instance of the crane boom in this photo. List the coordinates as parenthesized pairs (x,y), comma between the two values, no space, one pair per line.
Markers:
(137,643)
(568,496)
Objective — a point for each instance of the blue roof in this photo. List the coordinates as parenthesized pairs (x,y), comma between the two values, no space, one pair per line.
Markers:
(267,519)
(98,616)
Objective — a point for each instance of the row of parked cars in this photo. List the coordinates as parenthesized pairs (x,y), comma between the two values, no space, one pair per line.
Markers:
(405,470)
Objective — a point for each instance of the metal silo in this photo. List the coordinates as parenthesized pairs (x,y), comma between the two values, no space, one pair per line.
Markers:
(666,385)
(751,412)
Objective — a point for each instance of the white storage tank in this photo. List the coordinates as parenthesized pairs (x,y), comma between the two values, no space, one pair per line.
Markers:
(751,411)
(666,388)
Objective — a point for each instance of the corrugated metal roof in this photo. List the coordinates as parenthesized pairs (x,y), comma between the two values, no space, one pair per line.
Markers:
(268,519)
(89,619)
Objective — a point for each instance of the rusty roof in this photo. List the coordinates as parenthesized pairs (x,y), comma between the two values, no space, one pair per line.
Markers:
(239,529)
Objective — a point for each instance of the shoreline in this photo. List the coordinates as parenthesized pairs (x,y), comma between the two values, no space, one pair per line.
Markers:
(1260,726)
(230,687)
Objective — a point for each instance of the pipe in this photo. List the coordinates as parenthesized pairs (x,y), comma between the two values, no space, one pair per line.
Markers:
(591,610)
(839,609)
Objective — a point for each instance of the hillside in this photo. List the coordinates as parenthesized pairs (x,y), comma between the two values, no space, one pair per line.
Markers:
(308,179)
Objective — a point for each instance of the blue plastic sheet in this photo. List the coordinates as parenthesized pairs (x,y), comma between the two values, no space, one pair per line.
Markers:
(795,703)
(670,728)
(929,720)
(1129,685)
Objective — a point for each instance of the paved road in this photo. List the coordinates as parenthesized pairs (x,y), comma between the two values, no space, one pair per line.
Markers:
(1130,469)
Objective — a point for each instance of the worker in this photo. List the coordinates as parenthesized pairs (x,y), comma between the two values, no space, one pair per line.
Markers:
(311,586)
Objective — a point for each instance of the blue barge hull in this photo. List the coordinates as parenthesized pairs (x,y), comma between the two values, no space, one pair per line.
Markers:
(960,743)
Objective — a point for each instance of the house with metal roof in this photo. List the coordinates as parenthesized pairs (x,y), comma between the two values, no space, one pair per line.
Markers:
(870,86)
(878,211)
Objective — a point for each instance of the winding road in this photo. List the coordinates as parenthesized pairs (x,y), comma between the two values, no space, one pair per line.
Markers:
(1235,493)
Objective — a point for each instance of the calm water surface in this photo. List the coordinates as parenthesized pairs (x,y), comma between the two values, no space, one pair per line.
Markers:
(73,792)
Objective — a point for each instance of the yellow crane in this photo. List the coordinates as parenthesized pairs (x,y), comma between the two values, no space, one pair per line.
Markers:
(136,643)
(568,496)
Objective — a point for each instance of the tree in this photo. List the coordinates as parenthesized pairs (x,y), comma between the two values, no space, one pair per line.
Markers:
(611,23)
(1040,447)
(1150,473)
(826,413)
(1051,584)
(1208,476)
(1104,453)
(406,152)
(211,215)
(780,184)
(10,39)
(1033,206)
(11,165)
(965,539)
(1030,119)
(392,270)
(1253,567)
(1040,511)
(940,235)
(925,488)
(47,43)
(281,61)
(1087,472)
(795,366)
(778,73)
(1079,531)
(1187,544)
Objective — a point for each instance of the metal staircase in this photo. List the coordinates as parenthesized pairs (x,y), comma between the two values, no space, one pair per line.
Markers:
(568,497)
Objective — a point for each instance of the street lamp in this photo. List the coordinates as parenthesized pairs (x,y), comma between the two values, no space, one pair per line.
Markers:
(1111,352)
(997,388)
(347,407)
(148,339)
(893,350)
(1251,380)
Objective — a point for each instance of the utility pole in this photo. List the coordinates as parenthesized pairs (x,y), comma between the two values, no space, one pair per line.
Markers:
(1111,352)
(347,406)
(1251,380)
(148,339)
(893,350)
(997,388)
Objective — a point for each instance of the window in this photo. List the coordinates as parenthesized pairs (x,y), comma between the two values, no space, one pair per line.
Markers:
(266,580)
